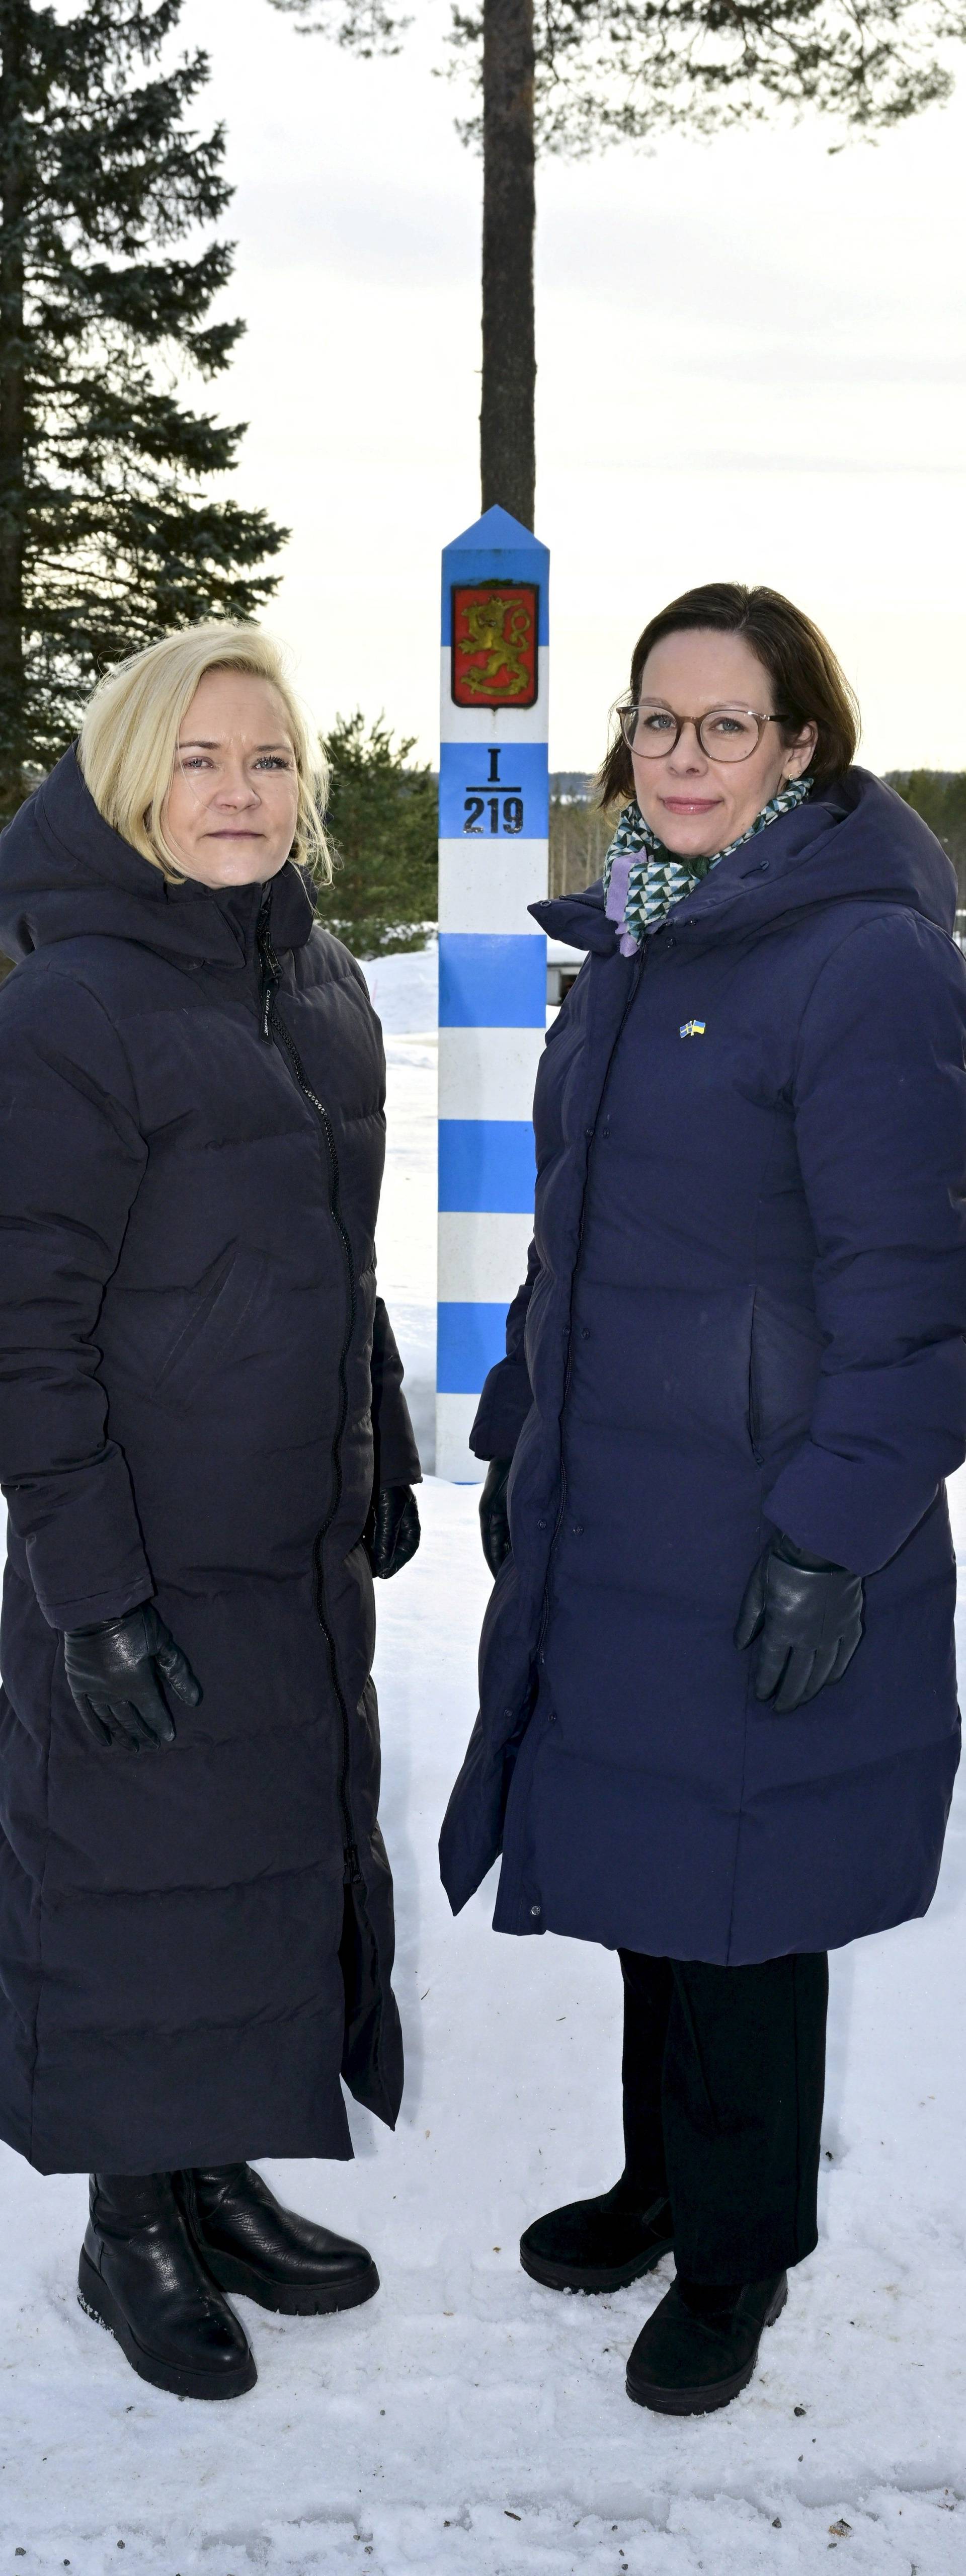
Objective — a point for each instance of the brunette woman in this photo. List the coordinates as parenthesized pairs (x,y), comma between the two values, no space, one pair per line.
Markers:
(718,1729)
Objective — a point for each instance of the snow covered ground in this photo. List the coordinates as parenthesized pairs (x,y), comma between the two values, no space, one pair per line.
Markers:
(469,2423)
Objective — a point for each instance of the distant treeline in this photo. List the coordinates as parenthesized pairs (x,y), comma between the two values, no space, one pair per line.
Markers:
(939,795)
(580,834)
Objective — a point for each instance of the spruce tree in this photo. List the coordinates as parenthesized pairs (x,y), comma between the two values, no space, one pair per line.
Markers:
(572,76)
(108,537)
(382,825)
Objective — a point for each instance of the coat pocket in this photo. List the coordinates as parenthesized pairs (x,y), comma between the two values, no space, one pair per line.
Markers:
(784,1364)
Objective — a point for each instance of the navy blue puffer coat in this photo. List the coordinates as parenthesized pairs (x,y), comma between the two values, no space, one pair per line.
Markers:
(193,1367)
(745,1312)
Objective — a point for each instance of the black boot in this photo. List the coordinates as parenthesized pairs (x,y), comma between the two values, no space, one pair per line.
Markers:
(141,2276)
(265,2252)
(598,2244)
(700,2345)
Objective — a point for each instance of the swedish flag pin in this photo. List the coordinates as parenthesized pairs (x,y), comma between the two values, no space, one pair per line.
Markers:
(694,1028)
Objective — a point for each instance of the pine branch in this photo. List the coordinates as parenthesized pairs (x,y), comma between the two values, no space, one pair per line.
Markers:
(628,70)
(365,27)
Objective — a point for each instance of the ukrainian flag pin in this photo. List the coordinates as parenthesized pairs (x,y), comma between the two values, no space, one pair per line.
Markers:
(694,1028)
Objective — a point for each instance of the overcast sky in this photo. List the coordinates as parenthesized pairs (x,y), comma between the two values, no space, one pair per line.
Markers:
(752,358)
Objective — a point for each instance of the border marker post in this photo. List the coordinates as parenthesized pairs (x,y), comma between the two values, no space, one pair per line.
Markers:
(493,851)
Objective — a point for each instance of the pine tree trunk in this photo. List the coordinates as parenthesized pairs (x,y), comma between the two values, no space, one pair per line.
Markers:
(14,189)
(507,446)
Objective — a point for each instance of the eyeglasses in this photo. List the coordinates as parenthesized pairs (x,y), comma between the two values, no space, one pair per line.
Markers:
(724,733)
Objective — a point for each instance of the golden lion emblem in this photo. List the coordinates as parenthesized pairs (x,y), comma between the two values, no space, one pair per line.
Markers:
(498,626)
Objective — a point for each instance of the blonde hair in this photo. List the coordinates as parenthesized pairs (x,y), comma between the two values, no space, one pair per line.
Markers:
(129,737)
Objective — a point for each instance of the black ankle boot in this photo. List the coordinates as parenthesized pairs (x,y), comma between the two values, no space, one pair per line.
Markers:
(700,2346)
(141,2276)
(268,2253)
(598,2244)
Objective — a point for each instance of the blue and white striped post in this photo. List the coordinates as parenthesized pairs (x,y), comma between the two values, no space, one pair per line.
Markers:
(493,824)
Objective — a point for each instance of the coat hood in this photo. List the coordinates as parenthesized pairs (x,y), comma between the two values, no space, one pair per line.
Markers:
(64,874)
(857,839)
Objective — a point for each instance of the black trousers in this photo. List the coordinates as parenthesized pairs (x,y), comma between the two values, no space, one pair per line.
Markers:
(724,2077)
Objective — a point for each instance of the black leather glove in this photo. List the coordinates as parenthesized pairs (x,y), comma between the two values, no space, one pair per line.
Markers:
(111,1671)
(392,1532)
(494,1518)
(808,1615)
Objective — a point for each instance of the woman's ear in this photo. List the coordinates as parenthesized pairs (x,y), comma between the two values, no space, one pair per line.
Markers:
(801,752)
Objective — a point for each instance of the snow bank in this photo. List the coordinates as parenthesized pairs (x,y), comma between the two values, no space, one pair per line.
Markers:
(403,990)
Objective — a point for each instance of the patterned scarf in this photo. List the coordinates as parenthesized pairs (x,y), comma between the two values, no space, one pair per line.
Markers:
(642,879)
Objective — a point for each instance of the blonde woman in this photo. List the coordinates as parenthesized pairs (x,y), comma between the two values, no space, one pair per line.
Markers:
(206,1454)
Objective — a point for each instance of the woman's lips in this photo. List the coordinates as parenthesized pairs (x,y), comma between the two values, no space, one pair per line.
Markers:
(690,804)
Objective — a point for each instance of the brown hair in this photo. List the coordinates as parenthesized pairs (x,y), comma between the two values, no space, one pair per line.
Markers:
(809,684)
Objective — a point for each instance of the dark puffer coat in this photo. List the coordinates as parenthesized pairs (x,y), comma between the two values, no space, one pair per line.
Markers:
(745,1312)
(193,1362)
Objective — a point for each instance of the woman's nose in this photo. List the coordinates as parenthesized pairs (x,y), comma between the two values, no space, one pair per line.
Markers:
(237,791)
(687,752)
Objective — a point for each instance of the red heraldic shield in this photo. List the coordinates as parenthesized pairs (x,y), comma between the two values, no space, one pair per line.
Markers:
(495,626)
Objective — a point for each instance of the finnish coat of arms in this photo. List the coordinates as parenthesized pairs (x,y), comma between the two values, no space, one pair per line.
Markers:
(495,644)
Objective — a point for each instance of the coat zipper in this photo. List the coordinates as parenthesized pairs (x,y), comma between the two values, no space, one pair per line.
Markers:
(275,1033)
(558,1524)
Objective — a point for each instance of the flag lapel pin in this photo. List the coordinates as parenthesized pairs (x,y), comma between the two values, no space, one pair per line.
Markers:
(694,1028)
